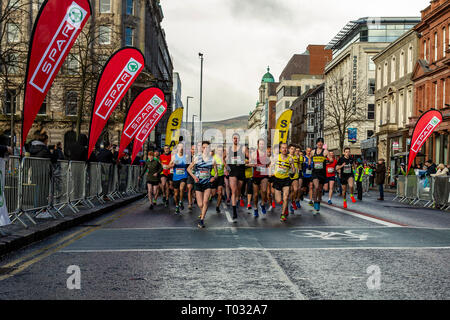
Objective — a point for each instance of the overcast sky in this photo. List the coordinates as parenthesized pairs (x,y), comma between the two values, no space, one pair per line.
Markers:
(240,38)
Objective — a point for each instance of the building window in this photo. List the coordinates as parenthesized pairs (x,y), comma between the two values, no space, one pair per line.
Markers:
(435,88)
(410,59)
(12,63)
(444,42)
(371,86)
(104,36)
(369,134)
(443,93)
(425,50)
(435,46)
(43,109)
(402,65)
(393,69)
(10,101)
(71,103)
(73,64)
(286,105)
(379,78)
(12,31)
(105,6)
(129,36)
(385,74)
(371,66)
(371,111)
(130,7)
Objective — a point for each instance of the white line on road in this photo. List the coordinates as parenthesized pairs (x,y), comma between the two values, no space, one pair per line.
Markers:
(249,249)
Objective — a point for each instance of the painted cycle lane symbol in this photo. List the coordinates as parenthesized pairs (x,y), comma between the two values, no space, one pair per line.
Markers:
(348,235)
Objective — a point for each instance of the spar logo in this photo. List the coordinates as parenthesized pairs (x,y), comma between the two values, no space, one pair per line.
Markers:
(426,132)
(58,47)
(142,116)
(149,125)
(118,89)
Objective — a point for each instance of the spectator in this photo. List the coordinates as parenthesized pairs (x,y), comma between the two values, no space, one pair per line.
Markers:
(402,171)
(380,177)
(59,151)
(430,167)
(115,152)
(4,150)
(105,155)
(78,149)
(39,149)
(442,171)
(137,160)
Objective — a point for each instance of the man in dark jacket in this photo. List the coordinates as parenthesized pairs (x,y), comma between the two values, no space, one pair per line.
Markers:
(39,149)
(380,176)
(105,155)
(431,167)
(4,150)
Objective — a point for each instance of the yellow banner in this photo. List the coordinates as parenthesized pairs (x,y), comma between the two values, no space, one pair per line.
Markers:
(282,127)
(173,128)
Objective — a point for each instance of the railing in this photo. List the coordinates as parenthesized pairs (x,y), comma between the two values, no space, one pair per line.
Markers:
(427,192)
(35,185)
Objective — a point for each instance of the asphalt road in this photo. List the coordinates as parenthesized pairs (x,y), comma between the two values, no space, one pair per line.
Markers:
(374,250)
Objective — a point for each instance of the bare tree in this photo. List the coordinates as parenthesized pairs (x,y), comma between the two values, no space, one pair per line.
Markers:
(345,104)
(13,53)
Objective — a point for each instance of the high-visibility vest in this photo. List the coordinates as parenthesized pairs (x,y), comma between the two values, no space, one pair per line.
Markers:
(358,178)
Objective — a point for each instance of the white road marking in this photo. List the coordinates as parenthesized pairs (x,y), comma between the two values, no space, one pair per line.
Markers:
(248,249)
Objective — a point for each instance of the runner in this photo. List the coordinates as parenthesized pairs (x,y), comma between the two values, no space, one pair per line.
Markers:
(248,182)
(319,173)
(165,159)
(331,175)
(227,180)
(190,182)
(200,171)
(179,165)
(294,180)
(307,173)
(261,162)
(219,183)
(345,164)
(270,189)
(152,168)
(301,159)
(236,164)
(281,180)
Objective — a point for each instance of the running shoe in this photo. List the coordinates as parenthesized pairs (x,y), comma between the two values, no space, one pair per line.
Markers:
(241,203)
(181,205)
(154,202)
(263,209)
(249,207)
(299,205)
(255,213)
(234,216)
(353,198)
(201,224)
(345,204)
(217,209)
(291,209)
(228,202)
(151,207)
(329,202)
(273,204)
(294,205)
(270,209)
(177,210)
(190,208)
(311,203)
(283,218)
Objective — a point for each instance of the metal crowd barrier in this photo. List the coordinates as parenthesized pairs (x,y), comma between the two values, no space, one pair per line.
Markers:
(426,192)
(35,186)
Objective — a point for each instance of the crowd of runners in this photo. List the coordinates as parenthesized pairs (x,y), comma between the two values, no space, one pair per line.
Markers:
(262,177)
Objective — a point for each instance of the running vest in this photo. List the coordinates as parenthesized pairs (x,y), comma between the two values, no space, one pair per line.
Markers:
(179,168)
(220,167)
(319,163)
(203,169)
(261,169)
(248,171)
(282,168)
(307,171)
(165,161)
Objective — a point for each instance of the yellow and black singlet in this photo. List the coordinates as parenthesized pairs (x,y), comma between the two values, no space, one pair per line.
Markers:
(282,168)
(319,163)
(296,162)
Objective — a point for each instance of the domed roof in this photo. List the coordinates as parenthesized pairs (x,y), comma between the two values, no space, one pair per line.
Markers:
(268,77)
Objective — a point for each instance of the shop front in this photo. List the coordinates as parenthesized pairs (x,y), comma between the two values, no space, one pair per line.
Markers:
(369,150)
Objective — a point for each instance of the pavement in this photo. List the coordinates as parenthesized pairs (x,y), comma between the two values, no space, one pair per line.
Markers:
(372,250)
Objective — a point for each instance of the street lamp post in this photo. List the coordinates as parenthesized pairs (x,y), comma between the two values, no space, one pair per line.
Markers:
(192,137)
(187,110)
(201,83)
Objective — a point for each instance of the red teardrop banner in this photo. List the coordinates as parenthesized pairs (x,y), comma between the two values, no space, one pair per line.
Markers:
(57,26)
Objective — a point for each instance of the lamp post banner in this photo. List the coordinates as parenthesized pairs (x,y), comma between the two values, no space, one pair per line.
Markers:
(425,126)
(139,113)
(147,128)
(119,73)
(57,26)
(4,218)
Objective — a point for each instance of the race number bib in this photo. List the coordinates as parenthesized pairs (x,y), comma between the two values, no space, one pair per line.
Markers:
(347,169)
(263,171)
(330,170)
(235,160)
(179,171)
(204,174)
(308,171)
(318,165)
(282,170)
